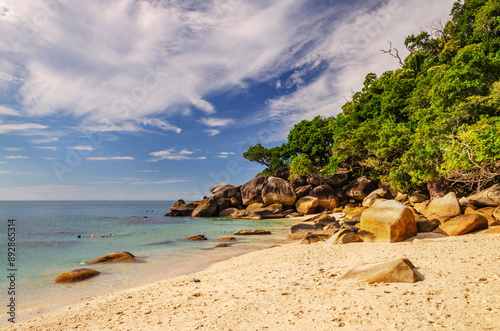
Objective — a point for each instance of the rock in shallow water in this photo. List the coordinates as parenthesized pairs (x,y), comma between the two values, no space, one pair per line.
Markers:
(76,275)
(114,257)
(251,232)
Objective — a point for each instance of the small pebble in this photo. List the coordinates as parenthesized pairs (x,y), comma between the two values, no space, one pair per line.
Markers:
(147,311)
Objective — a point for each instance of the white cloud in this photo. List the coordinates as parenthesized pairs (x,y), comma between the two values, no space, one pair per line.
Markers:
(225,155)
(216,121)
(212,132)
(10,157)
(48,158)
(160,124)
(82,148)
(110,158)
(5,172)
(50,148)
(8,111)
(8,128)
(172,154)
(13,149)
(43,141)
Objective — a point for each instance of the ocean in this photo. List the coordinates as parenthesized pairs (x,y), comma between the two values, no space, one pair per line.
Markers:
(47,244)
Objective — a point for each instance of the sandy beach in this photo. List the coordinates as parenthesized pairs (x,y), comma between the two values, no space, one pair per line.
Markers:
(297,287)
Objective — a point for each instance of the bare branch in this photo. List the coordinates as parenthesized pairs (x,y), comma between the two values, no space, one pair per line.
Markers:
(391,53)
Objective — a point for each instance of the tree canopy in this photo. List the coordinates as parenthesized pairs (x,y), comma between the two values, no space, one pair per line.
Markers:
(438,116)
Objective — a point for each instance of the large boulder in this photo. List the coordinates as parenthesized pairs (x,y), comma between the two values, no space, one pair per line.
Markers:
(439,188)
(207,208)
(300,231)
(298,181)
(464,224)
(283,172)
(225,190)
(314,180)
(180,208)
(76,275)
(337,180)
(389,221)
(278,190)
(345,235)
(487,212)
(227,212)
(489,197)
(259,213)
(360,188)
(251,191)
(377,196)
(394,271)
(427,225)
(447,206)
(306,205)
(302,191)
(114,257)
(327,199)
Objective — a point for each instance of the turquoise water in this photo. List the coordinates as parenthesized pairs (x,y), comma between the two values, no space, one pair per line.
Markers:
(47,244)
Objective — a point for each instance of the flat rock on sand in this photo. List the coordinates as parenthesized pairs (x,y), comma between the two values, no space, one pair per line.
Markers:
(298,287)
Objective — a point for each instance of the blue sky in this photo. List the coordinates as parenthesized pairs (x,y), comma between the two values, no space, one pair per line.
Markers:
(125,99)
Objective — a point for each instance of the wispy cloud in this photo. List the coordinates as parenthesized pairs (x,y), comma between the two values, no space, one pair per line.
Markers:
(210,121)
(13,149)
(167,181)
(11,157)
(8,111)
(82,148)
(110,158)
(20,127)
(43,141)
(48,158)
(225,155)
(159,124)
(49,148)
(5,172)
(212,132)
(172,154)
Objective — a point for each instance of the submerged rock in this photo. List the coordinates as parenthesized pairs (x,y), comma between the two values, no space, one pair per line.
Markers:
(76,275)
(114,257)
(198,237)
(251,232)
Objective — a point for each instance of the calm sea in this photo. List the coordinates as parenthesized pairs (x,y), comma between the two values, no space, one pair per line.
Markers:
(47,244)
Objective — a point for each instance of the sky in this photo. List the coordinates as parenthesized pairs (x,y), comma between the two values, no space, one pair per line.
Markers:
(158,99)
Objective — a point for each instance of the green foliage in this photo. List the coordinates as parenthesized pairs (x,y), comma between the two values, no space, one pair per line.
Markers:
(301,166)
(272,158)
(436,117)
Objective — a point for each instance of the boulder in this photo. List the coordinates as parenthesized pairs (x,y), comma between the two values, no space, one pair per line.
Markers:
(251,232)
(493,230)
(302,191)
(306,205)
(255,206)
(327,199)
(390,221)
(227,212)
(180,208)
(223,203)
(439,188)
(313,238)
(427,225)
(251,191)
(220,245)
(298,181)
(344,236)
(314,180)
(299,231)
(447,206)
(401,197)
(360,188)
(114,257)
(417,197)
(355,214)
(225,191)
(278,190)
(489,197)
(76,275)
(394,271)
(276,206)
(487,212)
(377,196)
(283,172)
(207,208)
(259,213)
(337,180)
(226,238)
(496,214)
(198,237)
(464,224)
(324,219)
(195,203)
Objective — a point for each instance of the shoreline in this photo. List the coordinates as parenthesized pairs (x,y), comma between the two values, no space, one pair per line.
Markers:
(295,286)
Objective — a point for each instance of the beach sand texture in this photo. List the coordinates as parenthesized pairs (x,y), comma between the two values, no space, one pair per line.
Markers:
(297,287)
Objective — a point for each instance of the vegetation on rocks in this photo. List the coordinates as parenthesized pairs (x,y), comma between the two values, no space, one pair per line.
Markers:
(436,117)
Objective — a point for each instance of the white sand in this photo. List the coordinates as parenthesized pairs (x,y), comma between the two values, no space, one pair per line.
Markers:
(297,287)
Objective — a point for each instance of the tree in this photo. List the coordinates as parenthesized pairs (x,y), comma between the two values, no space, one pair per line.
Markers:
(301,166)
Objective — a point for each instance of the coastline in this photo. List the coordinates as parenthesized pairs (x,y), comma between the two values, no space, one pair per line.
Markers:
(298,286)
